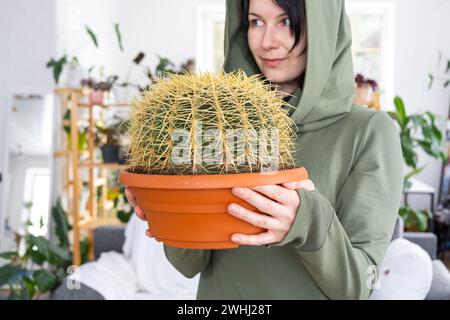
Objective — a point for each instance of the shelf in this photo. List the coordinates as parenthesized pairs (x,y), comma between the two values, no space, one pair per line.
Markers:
(64,153)
(63,91)
(91,224)
(419,187)
(106,105)
(98,182)
(78,185)
(103,165)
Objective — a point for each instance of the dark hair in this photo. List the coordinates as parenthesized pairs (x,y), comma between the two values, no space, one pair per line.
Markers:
(295,10)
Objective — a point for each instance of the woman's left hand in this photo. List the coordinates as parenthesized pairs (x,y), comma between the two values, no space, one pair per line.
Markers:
(280,204)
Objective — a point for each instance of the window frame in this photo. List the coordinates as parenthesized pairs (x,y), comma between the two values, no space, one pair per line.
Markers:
(207,16)
(387,10)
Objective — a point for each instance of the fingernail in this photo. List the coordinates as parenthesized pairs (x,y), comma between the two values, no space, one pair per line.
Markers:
(236,238)
(233,208)
(238,191)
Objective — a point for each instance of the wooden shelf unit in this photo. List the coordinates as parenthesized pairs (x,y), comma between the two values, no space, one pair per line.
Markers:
(88,220)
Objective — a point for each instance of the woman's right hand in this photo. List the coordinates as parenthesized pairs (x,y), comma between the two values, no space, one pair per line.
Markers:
(139,212)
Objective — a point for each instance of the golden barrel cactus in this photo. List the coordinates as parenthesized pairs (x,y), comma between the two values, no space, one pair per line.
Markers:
(222,123)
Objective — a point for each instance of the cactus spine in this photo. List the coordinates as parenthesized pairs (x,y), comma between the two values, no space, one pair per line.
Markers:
(210,124)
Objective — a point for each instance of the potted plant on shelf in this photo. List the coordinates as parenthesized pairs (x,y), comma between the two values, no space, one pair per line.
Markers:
(366,92)
(113,132)
(192,139)
(82,133)
(165,67)
(98,88)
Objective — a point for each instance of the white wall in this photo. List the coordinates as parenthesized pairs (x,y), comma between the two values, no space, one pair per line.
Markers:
(27,40)
(167,28)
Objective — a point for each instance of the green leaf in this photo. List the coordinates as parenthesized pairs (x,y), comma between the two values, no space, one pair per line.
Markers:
(92,36)
(401,114)
(443,156)
(9,255)
(44,279)
(58,256)
(426,146)
(84,250)
(437,133)
(13,295)
(426,130)
(62,226)
(406,184)
(30,287)
(430,81)
(447,83)
(60,274)
(414,172)
(431,115)
(403,212)
(42,250)
(416,119)
(119,36)
(8,273)
(409,155)
(24,293)
(421,220)
(58,66)
(393,115)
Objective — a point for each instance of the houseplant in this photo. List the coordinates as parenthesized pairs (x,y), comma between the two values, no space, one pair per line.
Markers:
(39,265)
(98,88)
(192,139)
(68,66)
(367,92)
(113,132)
(418,130)
(82,133)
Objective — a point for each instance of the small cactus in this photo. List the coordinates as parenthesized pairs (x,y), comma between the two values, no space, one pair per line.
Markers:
(210,124)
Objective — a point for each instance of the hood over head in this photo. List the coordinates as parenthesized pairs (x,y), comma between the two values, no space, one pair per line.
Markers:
(328,89)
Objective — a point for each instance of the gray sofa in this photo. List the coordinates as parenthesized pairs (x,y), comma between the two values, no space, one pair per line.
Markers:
(440,286)
(111,238)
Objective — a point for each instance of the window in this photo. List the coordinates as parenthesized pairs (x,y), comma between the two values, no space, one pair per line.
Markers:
(210,37)
(37,200)
(373,43)
(372,31)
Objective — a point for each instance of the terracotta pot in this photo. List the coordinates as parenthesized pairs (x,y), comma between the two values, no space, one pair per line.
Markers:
(96,97)
(190,211)
(363,95)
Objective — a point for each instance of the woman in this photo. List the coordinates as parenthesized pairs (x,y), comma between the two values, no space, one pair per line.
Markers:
(327,235)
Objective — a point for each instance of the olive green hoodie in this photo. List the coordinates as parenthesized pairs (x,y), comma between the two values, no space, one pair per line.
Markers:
(354,158)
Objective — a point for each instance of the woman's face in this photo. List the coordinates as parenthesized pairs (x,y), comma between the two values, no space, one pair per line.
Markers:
(270,40)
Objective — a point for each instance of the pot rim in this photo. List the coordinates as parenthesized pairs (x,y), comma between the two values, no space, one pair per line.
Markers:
(212,181)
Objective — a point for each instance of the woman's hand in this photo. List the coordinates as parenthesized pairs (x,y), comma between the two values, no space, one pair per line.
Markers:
(280,205)
(139,212)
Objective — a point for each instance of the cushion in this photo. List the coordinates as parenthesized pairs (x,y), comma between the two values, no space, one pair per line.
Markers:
(406,273)
(155,274)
